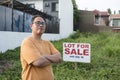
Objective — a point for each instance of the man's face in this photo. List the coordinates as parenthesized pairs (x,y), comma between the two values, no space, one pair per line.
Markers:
(38,26)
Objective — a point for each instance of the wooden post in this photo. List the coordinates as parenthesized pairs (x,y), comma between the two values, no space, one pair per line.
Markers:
(75,65)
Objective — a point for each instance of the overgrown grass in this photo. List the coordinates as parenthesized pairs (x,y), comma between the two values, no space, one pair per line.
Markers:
(105,57)
(13,70)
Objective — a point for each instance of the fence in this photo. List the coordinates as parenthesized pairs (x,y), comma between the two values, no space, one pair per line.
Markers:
(18,20)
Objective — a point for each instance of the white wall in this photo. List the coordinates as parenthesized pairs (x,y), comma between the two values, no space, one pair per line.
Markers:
(11,40)
(66,17)
(111,23)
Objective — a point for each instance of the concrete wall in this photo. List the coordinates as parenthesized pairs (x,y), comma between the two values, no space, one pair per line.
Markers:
(66,17)
(86,21)
(11,40)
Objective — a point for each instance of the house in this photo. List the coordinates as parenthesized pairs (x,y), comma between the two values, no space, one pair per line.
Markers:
(11,37)
(93,21)
(115,22)
(101,18)
(49,7)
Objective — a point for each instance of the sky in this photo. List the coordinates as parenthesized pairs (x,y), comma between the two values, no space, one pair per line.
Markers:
(101,5)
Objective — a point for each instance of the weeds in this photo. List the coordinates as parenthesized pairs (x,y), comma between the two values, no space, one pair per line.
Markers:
(105,57)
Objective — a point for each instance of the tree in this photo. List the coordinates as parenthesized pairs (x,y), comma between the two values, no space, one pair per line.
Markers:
(109,11)
(76,15)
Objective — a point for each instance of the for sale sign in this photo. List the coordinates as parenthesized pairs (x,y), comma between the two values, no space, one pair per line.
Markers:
(76,52)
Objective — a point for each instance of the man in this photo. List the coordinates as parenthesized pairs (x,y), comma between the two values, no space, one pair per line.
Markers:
(37,55)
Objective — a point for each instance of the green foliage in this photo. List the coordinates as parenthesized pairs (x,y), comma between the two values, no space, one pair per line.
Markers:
(109,11)
(105,57)
(10,54)
(76,15)
(13,72)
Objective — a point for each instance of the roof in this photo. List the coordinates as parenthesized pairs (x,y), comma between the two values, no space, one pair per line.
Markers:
(24,8)
(115,16)
(101,13)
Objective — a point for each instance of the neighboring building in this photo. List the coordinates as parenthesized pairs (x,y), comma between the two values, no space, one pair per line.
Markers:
(115,22)
(86,21)
(51,7)
(93,21)
(101,18)
(37,4)
(11,39)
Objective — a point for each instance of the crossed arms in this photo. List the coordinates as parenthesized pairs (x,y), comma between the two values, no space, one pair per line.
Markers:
(47,60)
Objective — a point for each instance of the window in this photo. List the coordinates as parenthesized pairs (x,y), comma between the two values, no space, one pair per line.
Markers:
(116,22)
(54,6)
(96,20)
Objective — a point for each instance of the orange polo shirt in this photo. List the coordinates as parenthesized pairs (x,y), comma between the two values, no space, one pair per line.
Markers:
(31,50)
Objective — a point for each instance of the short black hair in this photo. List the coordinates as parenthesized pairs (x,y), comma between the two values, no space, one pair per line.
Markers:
(35,16)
